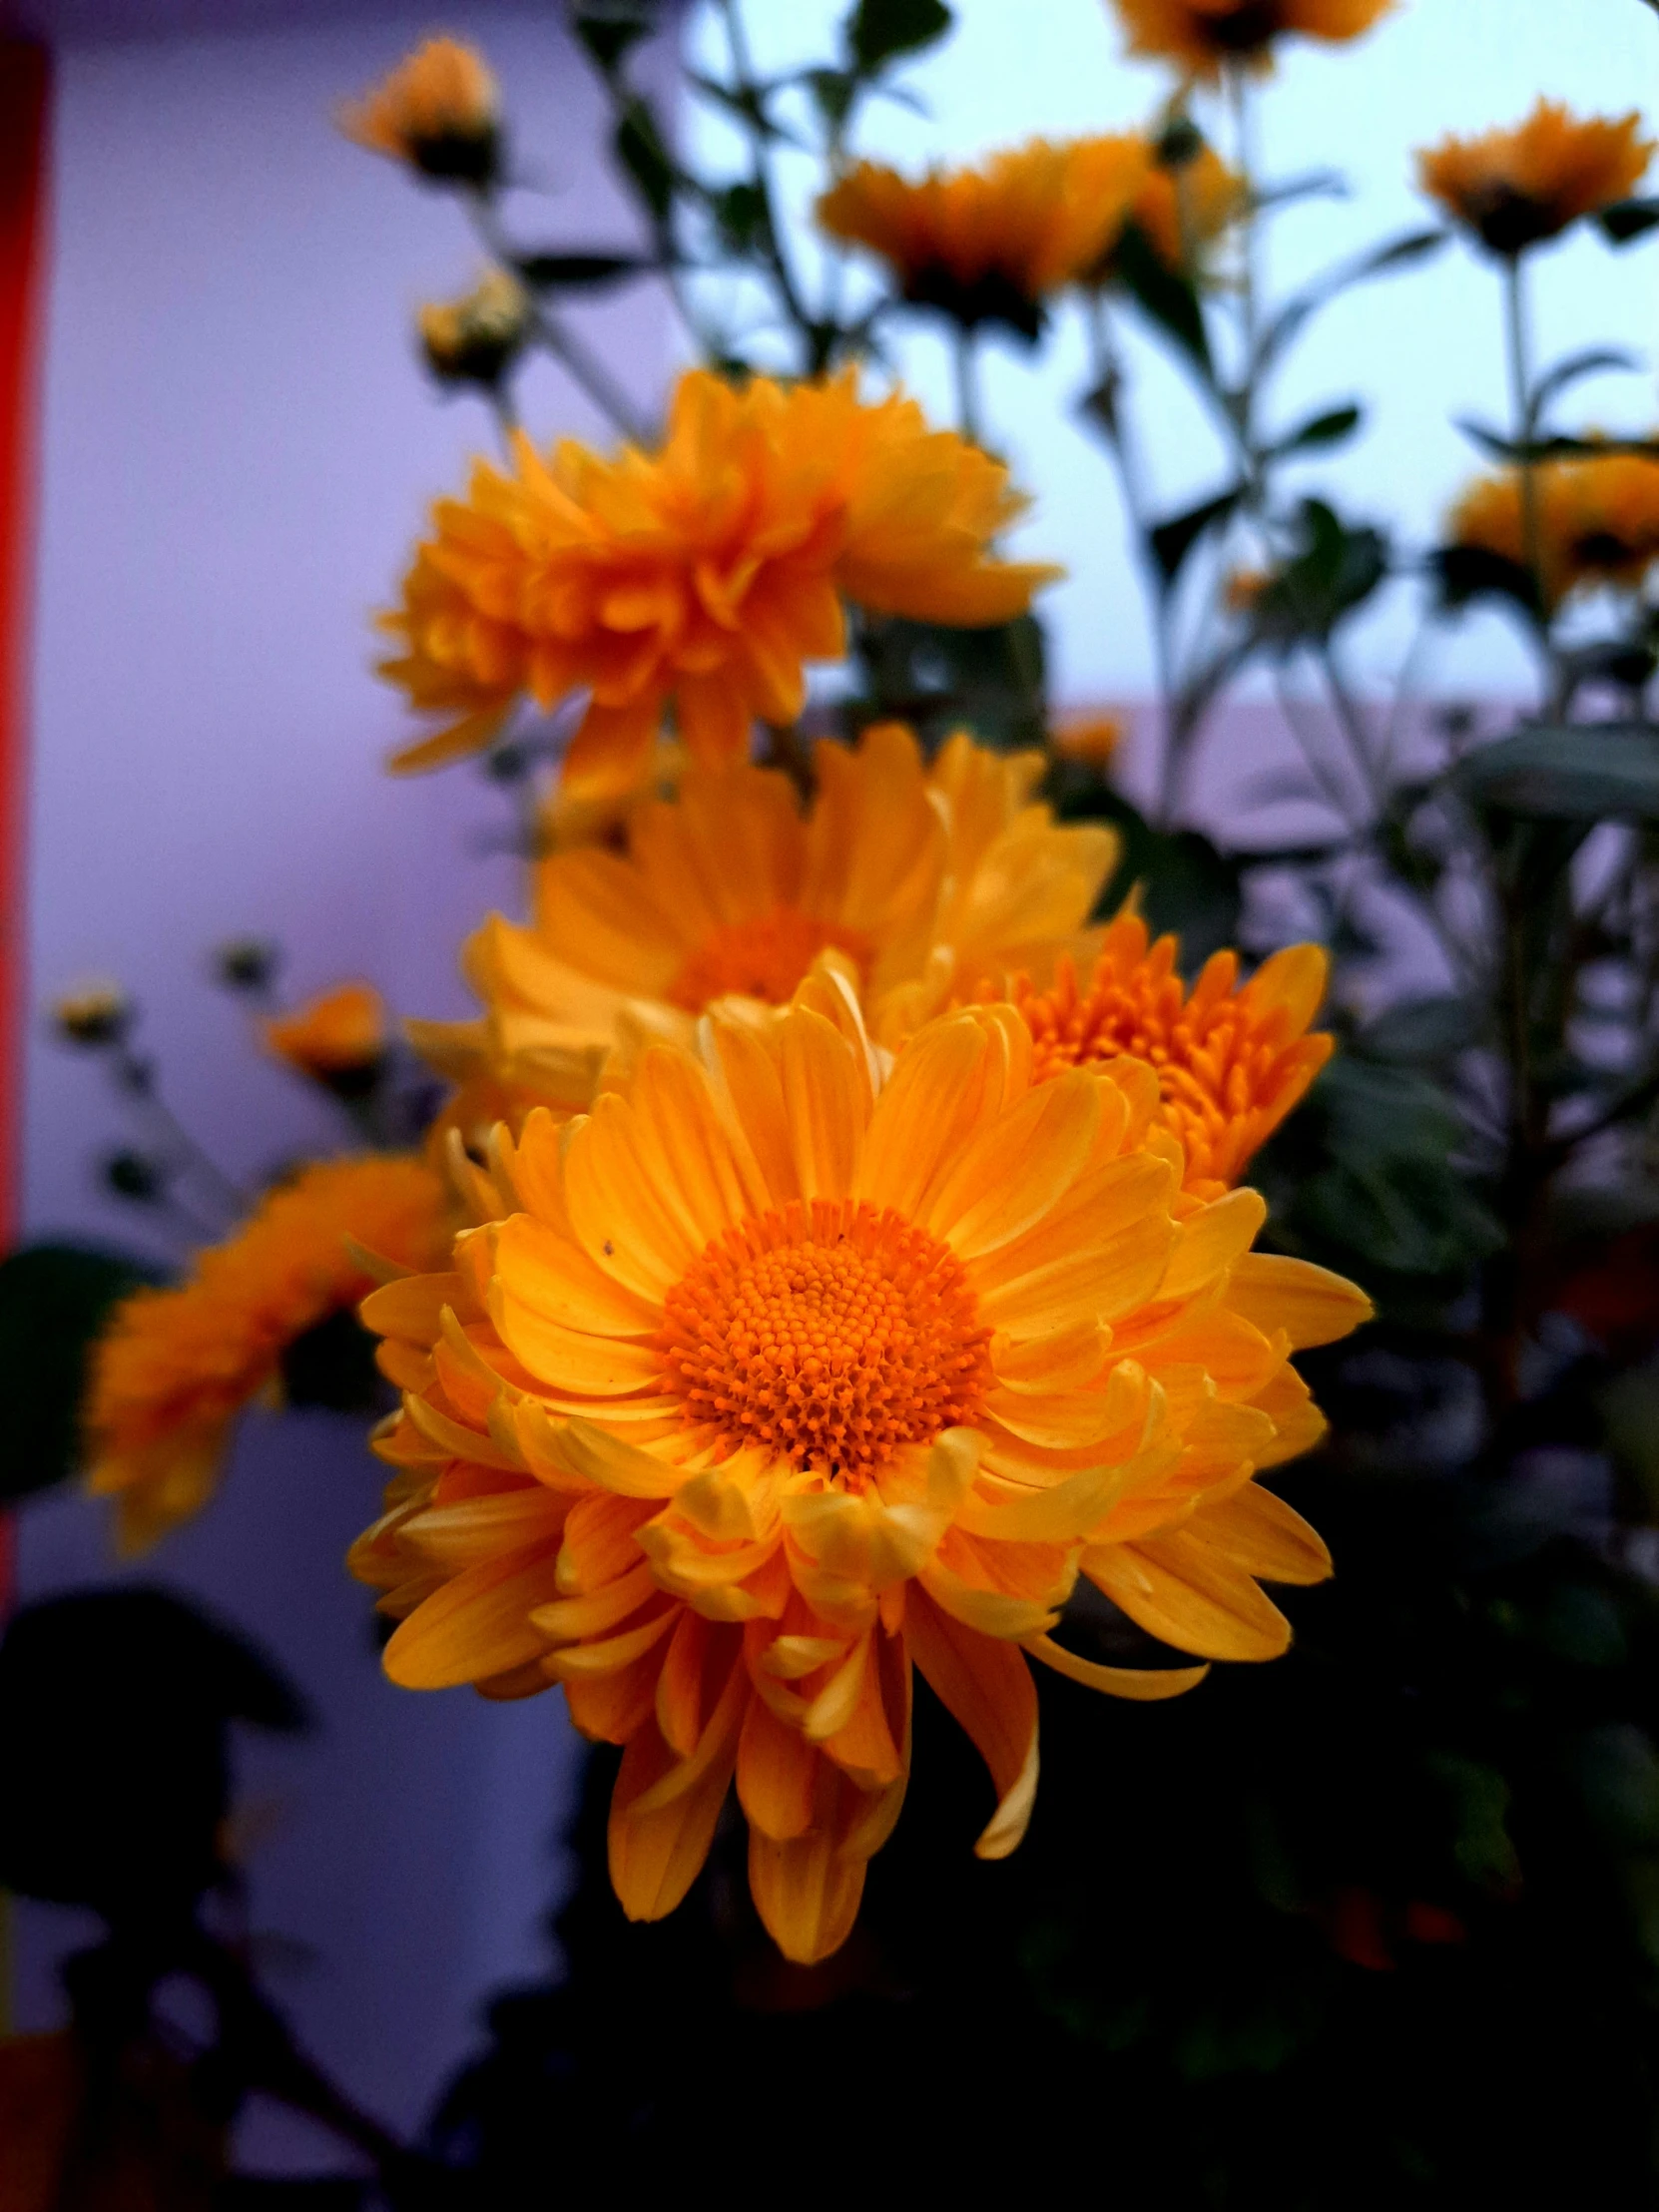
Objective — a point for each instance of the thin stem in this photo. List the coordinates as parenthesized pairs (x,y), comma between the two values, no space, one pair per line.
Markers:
(590,374)
(1517,348)
(813,341)
(968,387)
(136,1080)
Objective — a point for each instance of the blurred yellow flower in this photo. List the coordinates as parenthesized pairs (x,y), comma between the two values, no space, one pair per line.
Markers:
(1203,35)
(705,575)
(339,1034)
(1513,188)
(1597,519)
(473,340)
(175,1368)
(990,243)
(929,882)
(1230,1062)
(781,1375)
(439,110)
(1089,738)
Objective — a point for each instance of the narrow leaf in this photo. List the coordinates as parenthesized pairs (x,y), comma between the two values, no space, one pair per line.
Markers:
(1329,428)
(579,272)
(880,31)
(1173,540)
(1383,261)
(1571,772)
(1169,299)
(1629,219)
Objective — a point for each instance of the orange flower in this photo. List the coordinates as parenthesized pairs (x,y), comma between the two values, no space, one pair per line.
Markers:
(1089,738)
(1203,35)
(340,1032)
(471,341)
(990,243)
(175,1368)
(1230,1062)
(705,574)
(1597,521)
(778,1376)
(439,110)
(1513,188)
(928,881)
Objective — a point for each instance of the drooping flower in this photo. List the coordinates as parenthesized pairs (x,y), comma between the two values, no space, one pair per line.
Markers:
(473,340)
(1201,36)
(1515,189)
(338,1035)
(930,882)
(175,1368)
(1230,1062)
(990,243)
(439,111)
(778,1375)
(1596,518)
(703,576)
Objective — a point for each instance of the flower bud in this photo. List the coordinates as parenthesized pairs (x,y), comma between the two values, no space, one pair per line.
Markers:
(337,1039)
(472,341)
(1090,739)
(439,111)
(93,1014)
(247,963)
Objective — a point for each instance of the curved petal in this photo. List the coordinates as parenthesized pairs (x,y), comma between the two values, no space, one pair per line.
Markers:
(986,1685)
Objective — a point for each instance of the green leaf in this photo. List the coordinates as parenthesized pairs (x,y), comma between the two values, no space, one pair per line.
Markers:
(1628,220)
(1166,299)
(1173,540)
(880,31)
(1328,429)
(833,92)
(645,158)
(741,212)
(1383,261)
(1497,447)
(579,272)
(1594,360)
(1336,572)
(1470,572)
(749,107)
(608,32)
(54,1301)
(1577,772)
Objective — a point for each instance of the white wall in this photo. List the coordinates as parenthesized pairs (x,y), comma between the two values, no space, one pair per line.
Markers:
(239,446)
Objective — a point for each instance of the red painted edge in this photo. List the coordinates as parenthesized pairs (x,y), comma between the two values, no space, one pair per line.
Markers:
(25,91)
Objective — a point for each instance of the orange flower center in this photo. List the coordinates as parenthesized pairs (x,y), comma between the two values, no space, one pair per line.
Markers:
(764,957)
(1210,1064)
(830,1335)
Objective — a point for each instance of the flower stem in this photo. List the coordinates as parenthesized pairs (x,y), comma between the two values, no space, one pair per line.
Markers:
(1517,346)
(968,387)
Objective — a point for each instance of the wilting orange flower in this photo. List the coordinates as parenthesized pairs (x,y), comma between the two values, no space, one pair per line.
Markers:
(439,110)
(778,1375)
(990,243)
(705,575)
(1230,1062)
(1513,188)
(929,882)
(175,1368)
(474,338)
(1596,516)
(1202,35)
(339,1032)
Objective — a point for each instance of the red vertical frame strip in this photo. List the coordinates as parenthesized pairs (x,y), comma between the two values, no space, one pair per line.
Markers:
(25,78)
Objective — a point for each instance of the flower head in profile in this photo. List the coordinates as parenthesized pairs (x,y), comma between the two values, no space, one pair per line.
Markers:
(1515,189)
(781,1376)
(1597,517)
(474,339)
(93,1014)
(175,1368)
(439,111)
(702,577)
(927,883)
(1091,738)
(991,243)
(338,1037)
(1230,1061)
(1203,36)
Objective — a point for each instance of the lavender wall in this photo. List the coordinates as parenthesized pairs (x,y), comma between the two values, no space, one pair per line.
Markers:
(237,447)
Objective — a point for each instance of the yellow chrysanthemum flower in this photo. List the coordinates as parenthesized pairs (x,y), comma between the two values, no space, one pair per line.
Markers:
(930,882)
(705,575)
(339,1034)
(990,243)
(1230,1062)
(1597,521)
(1515,189)
(1203,35)
(175,1368)
(439,111)
(778,1376)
